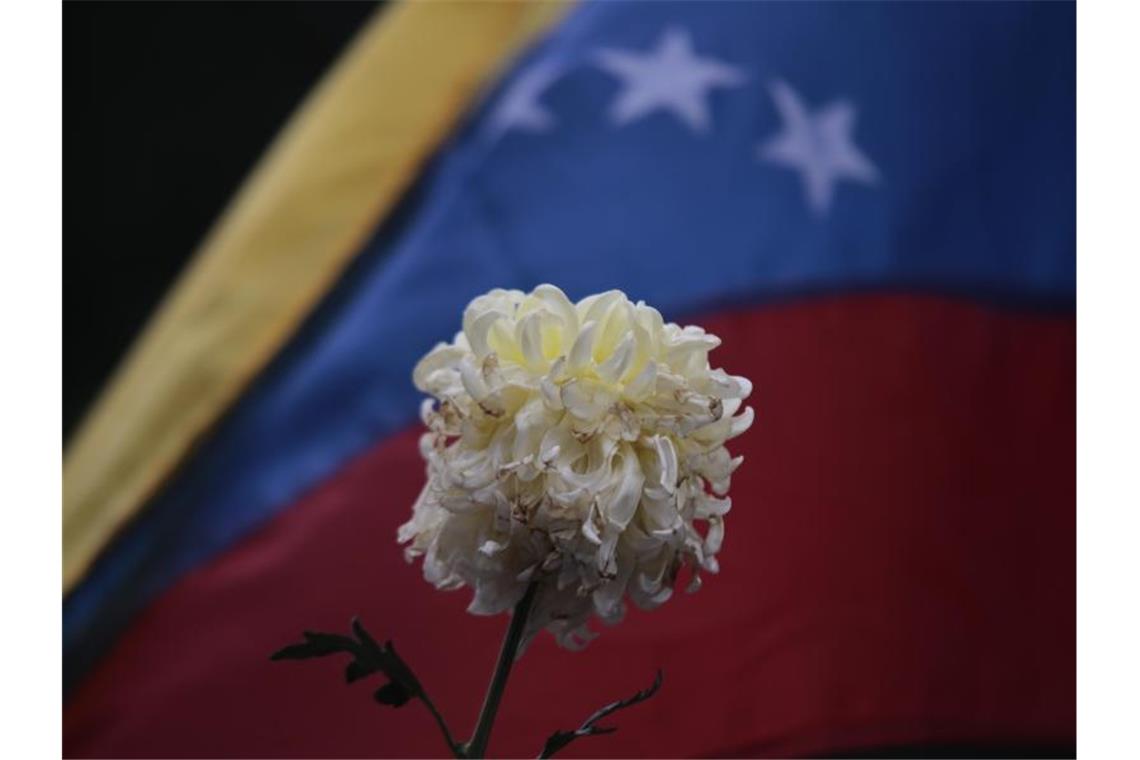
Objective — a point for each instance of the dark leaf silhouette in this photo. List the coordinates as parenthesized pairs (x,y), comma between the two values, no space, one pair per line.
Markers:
(368,658)
(393,694)
(315,645)
(354,671)
(559,739)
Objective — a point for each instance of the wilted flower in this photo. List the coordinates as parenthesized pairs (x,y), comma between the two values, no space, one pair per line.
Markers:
(577,446)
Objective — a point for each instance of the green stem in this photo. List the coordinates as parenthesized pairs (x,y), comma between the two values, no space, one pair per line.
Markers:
(477,747)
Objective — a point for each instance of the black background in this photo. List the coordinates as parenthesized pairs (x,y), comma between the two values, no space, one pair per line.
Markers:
(167,106)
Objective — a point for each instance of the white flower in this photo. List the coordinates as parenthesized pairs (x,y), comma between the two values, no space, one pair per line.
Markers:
(577,446)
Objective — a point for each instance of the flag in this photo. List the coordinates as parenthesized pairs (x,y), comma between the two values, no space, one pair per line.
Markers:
(872,204)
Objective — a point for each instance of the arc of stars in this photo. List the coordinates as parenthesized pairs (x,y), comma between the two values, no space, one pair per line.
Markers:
(672,78)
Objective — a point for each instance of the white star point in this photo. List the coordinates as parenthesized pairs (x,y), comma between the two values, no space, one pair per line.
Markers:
(820,146)
(670,77)
(519,107)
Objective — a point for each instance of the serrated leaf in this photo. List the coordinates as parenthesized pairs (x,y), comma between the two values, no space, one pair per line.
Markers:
(315,645)
(557,741)
(329,643)
(393,694)
(294,652)
(589,727)
(368,658)
(364,636)
(354,671)
(398,670)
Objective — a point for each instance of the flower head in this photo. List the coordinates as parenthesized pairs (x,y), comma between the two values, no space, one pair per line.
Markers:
(578,446)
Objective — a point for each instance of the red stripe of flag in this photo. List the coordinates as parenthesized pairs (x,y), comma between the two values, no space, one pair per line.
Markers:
(899,569)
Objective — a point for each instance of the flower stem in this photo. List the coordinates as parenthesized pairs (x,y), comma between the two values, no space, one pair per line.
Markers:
(456,748)
(477,747)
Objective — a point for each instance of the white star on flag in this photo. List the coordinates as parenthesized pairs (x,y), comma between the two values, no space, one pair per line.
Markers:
(819,146)
(670,78)
(519,107)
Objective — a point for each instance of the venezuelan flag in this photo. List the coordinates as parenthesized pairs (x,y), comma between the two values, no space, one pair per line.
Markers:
(874,207)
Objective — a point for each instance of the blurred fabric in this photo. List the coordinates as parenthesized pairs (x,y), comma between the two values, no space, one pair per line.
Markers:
(157,136)
(872,204)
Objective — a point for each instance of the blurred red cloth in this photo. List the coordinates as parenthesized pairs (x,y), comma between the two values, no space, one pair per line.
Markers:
(899,569)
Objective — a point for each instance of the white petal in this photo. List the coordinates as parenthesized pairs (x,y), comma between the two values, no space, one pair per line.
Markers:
(615,366)
(667,459)
(715,536)
(559,304)
(625,497)
(708,506)
(595,308)
(643,384)
(528,334)
(473,381)
(479,329)
(443,356)
(581,352)
(551,394)
(741,423)
(586,400)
